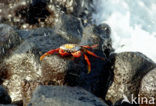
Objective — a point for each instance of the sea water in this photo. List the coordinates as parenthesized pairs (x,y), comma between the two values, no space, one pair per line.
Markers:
(132,22)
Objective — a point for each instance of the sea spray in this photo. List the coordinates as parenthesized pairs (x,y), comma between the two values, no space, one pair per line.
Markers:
(133,24)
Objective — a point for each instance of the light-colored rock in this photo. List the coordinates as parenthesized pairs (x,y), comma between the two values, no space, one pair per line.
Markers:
(148,87)
(129,69)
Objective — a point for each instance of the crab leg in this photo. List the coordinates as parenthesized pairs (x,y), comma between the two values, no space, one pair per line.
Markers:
(88,62)
(93,54)
(90,47)
(49,52)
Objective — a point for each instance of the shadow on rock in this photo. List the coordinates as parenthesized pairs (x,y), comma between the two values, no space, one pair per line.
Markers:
(97,81)
(64,96)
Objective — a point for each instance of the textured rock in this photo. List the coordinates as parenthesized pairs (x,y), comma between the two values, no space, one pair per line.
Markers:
(19,67)
(89,37)
(4,97)
(83,9)
(23,64)
(148,86)
(104,32)
(100,34)
(8,105)
(42,13)
(129,69)
(9,39)
(27,13)
(70,28)
(27,89)
(74,72)
(22,71)
(64,96)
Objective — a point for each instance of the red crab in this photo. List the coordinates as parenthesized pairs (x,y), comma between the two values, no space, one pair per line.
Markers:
(74,50)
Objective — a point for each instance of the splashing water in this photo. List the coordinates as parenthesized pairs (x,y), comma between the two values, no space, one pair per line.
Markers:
(133,24)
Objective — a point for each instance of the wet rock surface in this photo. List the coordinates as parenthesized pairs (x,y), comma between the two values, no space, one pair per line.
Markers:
(63,96)
(100,35)
(70,28)
(22,71)
(32,31)
(8,105)
(23,64)
(9,39)
(129,70)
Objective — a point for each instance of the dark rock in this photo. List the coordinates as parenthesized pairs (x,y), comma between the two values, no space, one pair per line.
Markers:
(42,13)
(27,13)
(148,87)
(9,39)
(100,35)
(24,62)
(71,28)
(129,69)
(64,96)
(74,72)
(104,31)
(21,71)
(83,9)
(45,39)
(100,69)
(79,8)
(90,38)
(4,97)
(29,86)
(8,105)
(66,71)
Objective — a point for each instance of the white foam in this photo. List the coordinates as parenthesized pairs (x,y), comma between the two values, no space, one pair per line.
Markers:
(133,24)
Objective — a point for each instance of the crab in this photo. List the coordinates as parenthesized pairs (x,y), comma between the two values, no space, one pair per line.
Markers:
(74,50)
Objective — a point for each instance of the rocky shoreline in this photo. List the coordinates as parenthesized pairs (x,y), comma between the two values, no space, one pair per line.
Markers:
(57,81)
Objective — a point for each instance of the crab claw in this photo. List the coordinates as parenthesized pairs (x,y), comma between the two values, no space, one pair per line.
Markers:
(49,53)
